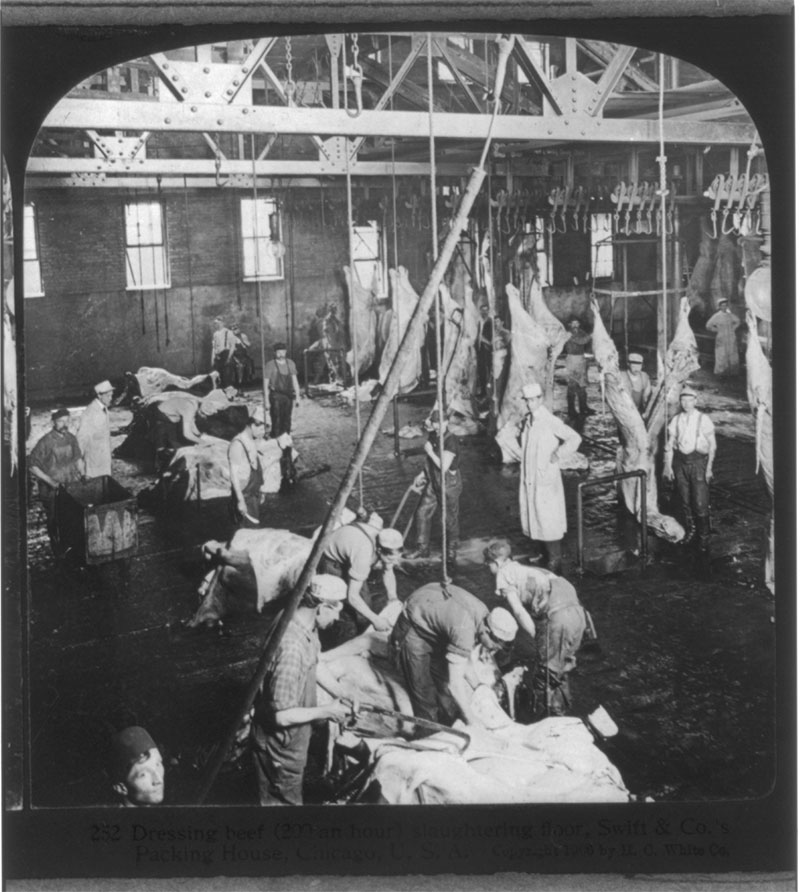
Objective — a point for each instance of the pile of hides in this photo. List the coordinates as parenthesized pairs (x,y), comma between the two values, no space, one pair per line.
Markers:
(407,432)
(364,393)
(201,471)
(554,760)
(256,568)
(364,322)
(395,324)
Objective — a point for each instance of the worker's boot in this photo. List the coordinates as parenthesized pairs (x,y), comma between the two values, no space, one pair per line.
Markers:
(585,410)
(691,532)
(704,543)
(288,472)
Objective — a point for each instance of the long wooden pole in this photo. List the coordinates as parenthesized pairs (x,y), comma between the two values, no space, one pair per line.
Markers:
(403,356)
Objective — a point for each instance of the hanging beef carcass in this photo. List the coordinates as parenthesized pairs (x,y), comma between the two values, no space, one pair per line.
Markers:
(404,302)
(634,453)
(256,568)
(529,360)
(759,395)
(556,334)
(727,272)
(554,760)
(363,321)
(458,351)
(700,279)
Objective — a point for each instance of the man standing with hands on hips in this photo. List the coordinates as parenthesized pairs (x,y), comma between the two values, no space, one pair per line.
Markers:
(542,440)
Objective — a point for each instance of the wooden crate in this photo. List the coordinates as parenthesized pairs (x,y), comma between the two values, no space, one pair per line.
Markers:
(97,520)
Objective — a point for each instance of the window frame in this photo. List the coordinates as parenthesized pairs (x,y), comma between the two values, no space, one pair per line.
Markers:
(545,236)
(30,210)
(272,207)
(379,258)
(598,246)
(163,245)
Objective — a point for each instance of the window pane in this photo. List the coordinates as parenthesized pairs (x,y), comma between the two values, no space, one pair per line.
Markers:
(146,267)
(365,270)
(143,223)
(29,246)
(258,257)
(33,277)
(255,216)
(602,249)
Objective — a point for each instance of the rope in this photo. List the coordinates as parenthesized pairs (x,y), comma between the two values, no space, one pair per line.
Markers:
(353,332)
(264,384)
(662,165)
(395,307)
(440,395)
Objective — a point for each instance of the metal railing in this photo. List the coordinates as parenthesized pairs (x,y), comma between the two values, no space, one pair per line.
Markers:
(614,478)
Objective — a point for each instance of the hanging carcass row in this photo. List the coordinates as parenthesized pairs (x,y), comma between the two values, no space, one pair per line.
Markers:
(363,325)
(554,760)
(554,330)
(759,393)
(637,447)
(404,301)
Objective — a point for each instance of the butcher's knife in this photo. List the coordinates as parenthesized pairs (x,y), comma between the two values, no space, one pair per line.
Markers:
(415,720)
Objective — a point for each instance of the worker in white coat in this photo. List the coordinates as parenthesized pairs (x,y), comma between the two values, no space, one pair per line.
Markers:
(94,432)
(543,439)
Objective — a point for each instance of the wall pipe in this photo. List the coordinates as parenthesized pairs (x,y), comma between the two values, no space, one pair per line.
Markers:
(407,346)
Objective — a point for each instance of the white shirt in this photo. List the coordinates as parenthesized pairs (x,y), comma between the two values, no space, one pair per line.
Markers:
(692,432)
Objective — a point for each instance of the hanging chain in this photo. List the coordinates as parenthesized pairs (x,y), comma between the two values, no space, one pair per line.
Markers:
(356,75)
(290,85)
(354,48)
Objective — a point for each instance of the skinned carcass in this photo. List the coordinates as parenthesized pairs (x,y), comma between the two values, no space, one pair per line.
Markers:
(556,334)
(700,280)
(634,452)
(148,381)
(529,360)
(202,471)
(256,568)
(759,395)
(404,302)
(554,760)
(458,351)
(726,271)
(363,321)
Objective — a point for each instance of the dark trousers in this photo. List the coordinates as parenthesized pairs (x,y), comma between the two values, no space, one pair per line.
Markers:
(692,486)
(431,499)
(280,413)
(576,399)
(424,669)
(223,365)
(484,369)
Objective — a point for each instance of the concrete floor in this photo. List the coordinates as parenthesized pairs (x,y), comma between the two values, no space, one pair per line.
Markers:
(686,667)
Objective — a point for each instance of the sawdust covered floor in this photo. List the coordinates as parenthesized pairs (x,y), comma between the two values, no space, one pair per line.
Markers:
(685,666)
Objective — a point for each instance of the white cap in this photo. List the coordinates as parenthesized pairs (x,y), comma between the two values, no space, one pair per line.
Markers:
(502,624)
(635,357)
(257,415)
(688,390)
(327,587)
(391,540)
(534,389)
(103,387)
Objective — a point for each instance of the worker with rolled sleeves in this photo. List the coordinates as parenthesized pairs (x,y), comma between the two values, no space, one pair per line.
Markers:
(432,641)
(94,432)
(537,596)
(352,552)
(286,705)
(246,473)
(136,768)
(689,461)
(636,382)
(543,438)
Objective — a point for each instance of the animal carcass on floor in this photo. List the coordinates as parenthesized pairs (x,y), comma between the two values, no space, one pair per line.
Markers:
(554,760)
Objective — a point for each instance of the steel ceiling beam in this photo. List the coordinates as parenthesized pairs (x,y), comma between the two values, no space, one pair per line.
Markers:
(610,78)
(110,114)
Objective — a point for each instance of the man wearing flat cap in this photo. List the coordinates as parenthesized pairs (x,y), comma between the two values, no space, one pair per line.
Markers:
(94,432)
(136,768)
(54,461)
(636,382)
(286,706)
(542,440)
(689,461)
(433,639)
(724,324)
